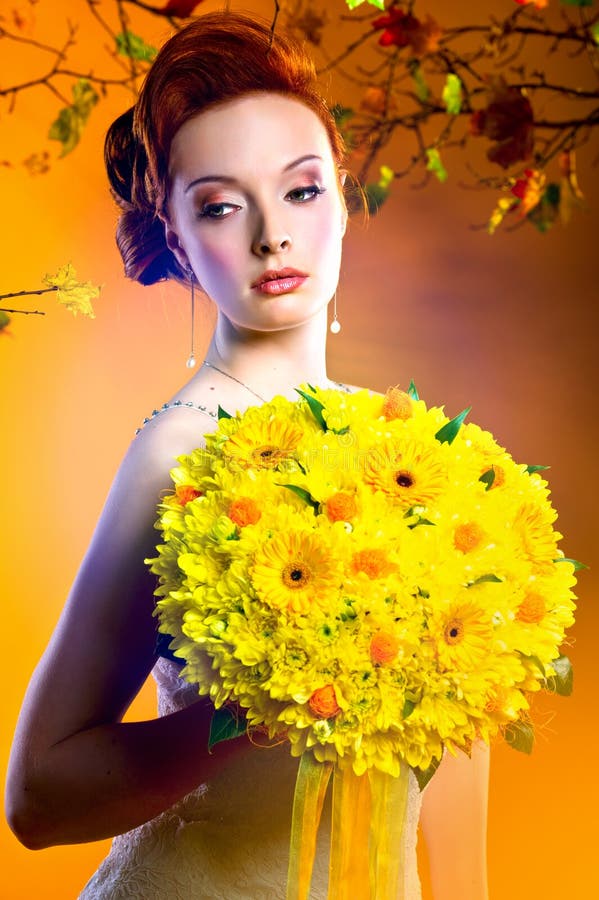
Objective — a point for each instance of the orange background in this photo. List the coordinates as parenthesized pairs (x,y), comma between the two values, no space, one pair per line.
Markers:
(507,324)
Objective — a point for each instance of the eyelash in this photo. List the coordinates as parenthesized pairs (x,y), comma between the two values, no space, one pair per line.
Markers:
(210,210)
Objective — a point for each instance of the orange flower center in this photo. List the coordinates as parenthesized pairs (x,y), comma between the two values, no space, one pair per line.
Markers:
(396,404)
(384,647)
(296,575)
(184,493)
(323,702)
(532,609)
(467,536)
(244,511)
(454,631)
(373,563)
(341,507)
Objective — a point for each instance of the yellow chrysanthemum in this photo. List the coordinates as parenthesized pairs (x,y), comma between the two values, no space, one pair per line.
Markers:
(295,571)
(534,526)
(409,473)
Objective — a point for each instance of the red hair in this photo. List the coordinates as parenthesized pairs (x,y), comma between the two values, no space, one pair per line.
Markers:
(218,57)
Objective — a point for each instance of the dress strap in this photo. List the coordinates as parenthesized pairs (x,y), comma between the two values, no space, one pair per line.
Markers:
(177,404)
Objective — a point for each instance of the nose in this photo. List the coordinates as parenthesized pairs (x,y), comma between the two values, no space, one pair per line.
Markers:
(270,238)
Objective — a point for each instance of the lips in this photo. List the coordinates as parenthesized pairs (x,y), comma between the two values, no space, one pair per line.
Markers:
(279,281)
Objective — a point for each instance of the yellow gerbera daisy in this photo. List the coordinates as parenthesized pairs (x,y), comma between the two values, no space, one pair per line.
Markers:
(295,570)
(462,634)
(411,473)
(533,524)
(262,444)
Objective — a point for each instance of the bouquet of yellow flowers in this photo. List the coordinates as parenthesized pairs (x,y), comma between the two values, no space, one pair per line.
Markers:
(368,579)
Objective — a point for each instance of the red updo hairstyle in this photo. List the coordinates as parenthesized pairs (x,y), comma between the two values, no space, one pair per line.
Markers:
(218,57)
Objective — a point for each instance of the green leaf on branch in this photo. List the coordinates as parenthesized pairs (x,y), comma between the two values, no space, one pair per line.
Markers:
(225,725)
(4,320)
(423,776)
(577,2)
(595,32)
(412,392)
(452,94)
(562,682)
(435,165)
(422,91)
(520,736)
(353,4)
(450,429)
(131,45)
(68,127)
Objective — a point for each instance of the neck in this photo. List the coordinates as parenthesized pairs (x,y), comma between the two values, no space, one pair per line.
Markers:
(272,362)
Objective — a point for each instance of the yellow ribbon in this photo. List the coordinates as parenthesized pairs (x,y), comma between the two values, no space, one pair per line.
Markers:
(367,831)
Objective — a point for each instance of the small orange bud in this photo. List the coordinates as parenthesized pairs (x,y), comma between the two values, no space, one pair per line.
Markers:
(244,511)
(185,493)
(468,536)
(323,702)
(396,404)
(384,647)
(532,609)
(341,507)
(373,563)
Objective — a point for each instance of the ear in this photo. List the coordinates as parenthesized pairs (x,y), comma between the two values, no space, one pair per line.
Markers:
(173,243)
(344,214)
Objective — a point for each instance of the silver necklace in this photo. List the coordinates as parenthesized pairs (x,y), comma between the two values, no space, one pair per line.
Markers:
(232,377)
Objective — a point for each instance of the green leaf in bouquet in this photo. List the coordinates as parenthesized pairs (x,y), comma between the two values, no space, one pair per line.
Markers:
(303,494)
(412,392)
(316,408)
(520,736)
(562,682)
(536,662)
(225,725)
(223,414)
(484,579)
(488,478)
(577,565)
(408,708)
(530,470)
(423,776)
(447,433)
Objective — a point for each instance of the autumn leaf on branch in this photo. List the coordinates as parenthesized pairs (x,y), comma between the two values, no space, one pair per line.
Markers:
(131,45)
(75,295)
(181,9)
(405,30)
(69,125)
(508,120)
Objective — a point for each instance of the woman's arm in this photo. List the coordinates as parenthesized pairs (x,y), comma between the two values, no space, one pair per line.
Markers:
(76,772)
(454,823)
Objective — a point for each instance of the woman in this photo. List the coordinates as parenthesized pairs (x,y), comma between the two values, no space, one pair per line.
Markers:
(229,174)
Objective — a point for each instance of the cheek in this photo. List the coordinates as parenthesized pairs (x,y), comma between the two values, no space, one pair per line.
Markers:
(217,258)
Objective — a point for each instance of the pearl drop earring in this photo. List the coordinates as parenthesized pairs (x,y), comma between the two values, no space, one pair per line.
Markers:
(191,360)
(335,326)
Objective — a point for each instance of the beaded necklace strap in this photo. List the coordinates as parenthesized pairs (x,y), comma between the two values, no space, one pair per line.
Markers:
(177,404)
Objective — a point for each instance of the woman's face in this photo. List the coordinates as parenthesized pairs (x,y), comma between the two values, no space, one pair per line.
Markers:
(255,209)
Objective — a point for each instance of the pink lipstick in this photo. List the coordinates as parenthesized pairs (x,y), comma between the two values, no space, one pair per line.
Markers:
(279,281)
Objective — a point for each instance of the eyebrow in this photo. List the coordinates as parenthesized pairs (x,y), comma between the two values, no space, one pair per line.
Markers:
(228,179)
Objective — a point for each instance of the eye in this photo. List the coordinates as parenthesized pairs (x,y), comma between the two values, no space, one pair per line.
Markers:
(217,210)
(304,194)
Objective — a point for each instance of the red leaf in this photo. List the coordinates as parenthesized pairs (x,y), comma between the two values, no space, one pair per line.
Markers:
(181,9)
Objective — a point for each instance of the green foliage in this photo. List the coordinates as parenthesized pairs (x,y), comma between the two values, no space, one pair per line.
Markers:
(485,579)
(562,682)
(131,45)
(4,320)
(303,494)
(69,125)
(316,408)
(223,414)
(520,736)
(532,469)
(225,725)
(422,91)
(423,776)
(353,4)
(577,565)
(452,94)
(412,392)
(488,478)
(435,165)
(447,433)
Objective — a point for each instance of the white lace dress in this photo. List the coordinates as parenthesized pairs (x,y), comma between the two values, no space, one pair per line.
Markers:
(228,839)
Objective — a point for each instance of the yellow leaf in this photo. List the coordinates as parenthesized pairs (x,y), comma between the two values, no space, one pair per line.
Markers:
(75,295)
